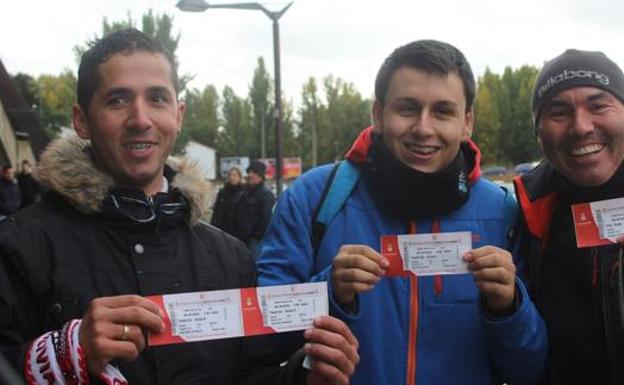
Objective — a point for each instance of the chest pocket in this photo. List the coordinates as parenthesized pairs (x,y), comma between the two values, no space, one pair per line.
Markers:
(62,306)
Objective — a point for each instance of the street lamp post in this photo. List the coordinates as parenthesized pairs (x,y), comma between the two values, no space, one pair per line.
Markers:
(200,6)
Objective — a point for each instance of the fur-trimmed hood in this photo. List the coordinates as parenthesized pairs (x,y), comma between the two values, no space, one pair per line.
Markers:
(67,168)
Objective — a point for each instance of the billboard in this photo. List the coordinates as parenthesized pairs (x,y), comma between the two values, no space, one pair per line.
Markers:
(292,167)
(226,163)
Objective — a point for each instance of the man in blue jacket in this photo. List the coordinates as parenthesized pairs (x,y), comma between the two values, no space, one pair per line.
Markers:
(418,173)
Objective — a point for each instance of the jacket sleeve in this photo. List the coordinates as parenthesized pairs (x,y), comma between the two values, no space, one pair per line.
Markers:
(286,254)
(518,343)
(17,315)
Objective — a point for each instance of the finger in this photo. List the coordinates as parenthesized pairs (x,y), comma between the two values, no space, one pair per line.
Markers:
(334,335)
(134,315)
(109,349)
(492,260)
(335,325)
(355,275)
(356,261)
(495,274)
(322,373)
(483,251)
(321,376)
(127,301)
(324,355)
(365,251)
(134,335)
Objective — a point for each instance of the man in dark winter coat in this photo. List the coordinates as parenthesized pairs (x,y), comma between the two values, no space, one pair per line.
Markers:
(256,205)
(10,198)
(578,110)
(120,222)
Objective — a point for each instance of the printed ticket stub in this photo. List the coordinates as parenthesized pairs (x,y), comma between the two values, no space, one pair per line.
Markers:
(426,254)
(598,223)
(250,311)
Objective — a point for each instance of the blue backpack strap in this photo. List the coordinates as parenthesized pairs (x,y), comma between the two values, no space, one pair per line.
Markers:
(339,186)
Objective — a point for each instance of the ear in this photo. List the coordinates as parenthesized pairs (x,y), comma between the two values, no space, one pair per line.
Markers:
(80,121)
(180,112)
(377,111)
(468,125)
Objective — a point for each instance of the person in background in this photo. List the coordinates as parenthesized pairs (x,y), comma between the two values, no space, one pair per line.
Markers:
(10,197)
(418,173)
(256,205)
(224,209)
(29,188)
(578,112)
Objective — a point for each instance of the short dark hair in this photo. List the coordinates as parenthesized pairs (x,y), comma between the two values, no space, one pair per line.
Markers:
(125,41)
(430,56)
(6,167)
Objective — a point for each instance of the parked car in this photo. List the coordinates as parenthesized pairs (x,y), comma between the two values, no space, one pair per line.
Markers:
(494,171)
(523,168)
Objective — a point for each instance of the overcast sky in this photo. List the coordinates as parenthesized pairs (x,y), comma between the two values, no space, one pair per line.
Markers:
(346,38)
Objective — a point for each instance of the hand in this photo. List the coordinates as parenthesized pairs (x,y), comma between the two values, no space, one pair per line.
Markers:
(356,268)
(494,274)
(333,352)
(112,328)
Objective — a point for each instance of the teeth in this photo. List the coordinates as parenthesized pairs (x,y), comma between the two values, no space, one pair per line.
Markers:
(425,150)
(139,146)
(577,151)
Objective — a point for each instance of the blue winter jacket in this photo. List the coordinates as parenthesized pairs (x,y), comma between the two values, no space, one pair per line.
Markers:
(448,340)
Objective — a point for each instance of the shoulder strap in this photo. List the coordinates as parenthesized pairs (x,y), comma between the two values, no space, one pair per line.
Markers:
(340,184)
(511,213)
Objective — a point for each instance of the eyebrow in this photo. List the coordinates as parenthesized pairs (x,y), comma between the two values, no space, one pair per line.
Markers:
(597,96)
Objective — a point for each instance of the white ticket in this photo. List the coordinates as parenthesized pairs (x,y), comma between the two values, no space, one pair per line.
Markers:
(239,312)
(427,254)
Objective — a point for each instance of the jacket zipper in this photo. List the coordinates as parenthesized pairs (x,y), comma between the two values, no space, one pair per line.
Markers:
(413,322)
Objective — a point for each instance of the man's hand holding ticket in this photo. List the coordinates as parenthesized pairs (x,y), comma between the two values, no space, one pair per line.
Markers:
(358,268)
(200,316)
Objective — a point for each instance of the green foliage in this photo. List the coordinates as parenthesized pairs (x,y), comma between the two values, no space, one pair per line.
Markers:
(503,126)
(155,26)
(201,121)
(55,96)
(27,88)
(237,137)
(335,123)
(260,96)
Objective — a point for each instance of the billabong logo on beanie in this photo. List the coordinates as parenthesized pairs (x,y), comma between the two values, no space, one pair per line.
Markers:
(576,68)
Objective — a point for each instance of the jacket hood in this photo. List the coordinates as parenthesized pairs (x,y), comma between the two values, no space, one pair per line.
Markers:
(66,167)
(359,152)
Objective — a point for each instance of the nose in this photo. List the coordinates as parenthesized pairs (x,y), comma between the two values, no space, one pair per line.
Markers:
(423,124)
(139,118)
(583,122)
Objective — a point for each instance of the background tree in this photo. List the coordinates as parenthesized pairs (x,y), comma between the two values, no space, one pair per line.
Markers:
(236,138)
(155,26)
(504,127)
(346,114)
(201,122)
(260,96)
(27,87)
(311,114)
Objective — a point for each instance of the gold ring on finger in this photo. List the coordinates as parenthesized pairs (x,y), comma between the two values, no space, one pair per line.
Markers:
(125,332)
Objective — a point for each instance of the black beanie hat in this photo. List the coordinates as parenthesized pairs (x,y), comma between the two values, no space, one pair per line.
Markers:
(257,167)
(575,68)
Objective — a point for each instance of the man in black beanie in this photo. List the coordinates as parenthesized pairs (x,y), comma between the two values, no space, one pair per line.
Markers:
(254,210)
(578,110)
